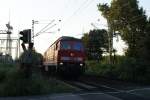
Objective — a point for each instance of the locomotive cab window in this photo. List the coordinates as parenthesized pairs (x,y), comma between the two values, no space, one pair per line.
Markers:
(65,45)
(78,46)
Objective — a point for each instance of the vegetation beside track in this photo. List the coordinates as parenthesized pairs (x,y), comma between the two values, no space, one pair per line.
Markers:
(126,69)
(17,80)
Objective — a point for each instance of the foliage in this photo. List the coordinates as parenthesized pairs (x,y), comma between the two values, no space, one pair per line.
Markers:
(101,69)
(144,51)
(14,80)
(31,57)
(85,40)
(126,17)
(105,9)
(16,84)
(5,59)
(129,19)
(4,68)
(96,42)
(127,69)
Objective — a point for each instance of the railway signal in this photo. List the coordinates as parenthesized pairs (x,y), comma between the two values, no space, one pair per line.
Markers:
(30,46)
(26,36)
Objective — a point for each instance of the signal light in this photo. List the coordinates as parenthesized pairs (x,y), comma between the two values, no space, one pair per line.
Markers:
(26,36)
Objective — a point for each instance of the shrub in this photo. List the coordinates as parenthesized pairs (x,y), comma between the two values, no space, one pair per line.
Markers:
(127,69)
(31,57)
(101,69)
(4,68)
(14,80)
(16,84)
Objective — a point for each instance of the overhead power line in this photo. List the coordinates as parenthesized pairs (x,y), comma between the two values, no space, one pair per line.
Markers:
(84,5)
(79,9)
(46,26)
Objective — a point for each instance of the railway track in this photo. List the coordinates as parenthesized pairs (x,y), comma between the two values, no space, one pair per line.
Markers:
(110,83)
(101,87)
(92,84)
(84,86)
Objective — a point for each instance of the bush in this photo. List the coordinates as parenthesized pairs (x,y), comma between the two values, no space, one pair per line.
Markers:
(16,84)
(131,69)
(101,69)
(127,69)
(14,80)
(4,68)
(23,79)
(31,57)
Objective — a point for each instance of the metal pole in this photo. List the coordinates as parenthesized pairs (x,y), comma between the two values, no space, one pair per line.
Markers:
(32,30)
(18,48)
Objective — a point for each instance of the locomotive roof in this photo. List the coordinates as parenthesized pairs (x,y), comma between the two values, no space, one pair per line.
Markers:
(67,38)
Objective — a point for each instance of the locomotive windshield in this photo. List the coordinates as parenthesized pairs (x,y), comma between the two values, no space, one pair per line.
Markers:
(78,46)
(65,45)
(74,45)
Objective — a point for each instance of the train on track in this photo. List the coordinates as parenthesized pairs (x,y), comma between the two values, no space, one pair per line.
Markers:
(66,56)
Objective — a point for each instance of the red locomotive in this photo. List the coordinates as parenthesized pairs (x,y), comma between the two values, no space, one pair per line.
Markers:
(65,56)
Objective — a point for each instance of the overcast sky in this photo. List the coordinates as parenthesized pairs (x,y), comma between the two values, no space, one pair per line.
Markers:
(76,17)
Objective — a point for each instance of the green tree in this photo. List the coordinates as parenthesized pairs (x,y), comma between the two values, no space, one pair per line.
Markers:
(96,42)
(85,39)
(105,9)
(129,19)
(131,23)
(145,45)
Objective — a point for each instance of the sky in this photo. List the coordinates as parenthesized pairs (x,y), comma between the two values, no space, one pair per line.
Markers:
(76,17)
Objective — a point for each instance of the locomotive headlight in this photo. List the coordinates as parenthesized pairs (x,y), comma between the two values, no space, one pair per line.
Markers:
(61,63)
(81,64)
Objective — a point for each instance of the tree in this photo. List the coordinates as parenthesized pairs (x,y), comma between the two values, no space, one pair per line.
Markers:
(126,17)
(129,19)
(131,23)
(105,9)
(145,45)
(85,40)
(96,42)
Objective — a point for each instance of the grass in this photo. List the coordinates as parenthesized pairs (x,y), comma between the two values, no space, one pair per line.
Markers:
(100,69)
(23,77)
(126,69)
(13,82)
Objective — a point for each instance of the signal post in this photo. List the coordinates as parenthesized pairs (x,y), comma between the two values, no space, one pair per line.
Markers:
(26,39)
(26,63)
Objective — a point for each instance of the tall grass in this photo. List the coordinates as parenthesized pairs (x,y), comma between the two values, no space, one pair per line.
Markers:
(14,80)
(127,69)
(4,68)
(17,85)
